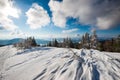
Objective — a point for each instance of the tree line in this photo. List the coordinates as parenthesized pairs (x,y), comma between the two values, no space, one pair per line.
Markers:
(111,45)
(88,41)
(67,42)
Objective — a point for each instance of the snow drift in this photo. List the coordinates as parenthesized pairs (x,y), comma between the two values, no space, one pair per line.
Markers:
(49,63)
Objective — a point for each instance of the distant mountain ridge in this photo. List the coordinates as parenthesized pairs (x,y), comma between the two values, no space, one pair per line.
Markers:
(10,42)
(16,40)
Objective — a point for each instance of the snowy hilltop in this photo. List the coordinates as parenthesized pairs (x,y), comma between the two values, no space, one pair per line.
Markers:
(51,63)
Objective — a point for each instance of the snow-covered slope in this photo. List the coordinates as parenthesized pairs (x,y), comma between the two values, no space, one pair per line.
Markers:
(58,64)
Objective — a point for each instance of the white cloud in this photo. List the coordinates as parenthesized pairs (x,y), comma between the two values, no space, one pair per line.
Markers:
(37,16)
(18,32)
(58,17)
(7,10)
(104,14)
(70,30)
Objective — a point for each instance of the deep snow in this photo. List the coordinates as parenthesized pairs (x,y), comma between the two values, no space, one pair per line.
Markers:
(49,63)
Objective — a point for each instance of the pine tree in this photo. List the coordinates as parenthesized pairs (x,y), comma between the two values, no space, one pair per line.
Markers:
(50,43)
(71,43)
(67,42)
(55,43)
(85,42)
(93,40)
(33,42)
(27,43)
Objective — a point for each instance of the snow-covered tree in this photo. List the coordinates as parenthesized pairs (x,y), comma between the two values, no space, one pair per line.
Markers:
(93,40)
(55,43)
(85,42)
(27,43)
(67,42)
(50,43)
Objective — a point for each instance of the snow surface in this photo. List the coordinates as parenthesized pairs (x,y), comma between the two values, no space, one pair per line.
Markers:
(50,63)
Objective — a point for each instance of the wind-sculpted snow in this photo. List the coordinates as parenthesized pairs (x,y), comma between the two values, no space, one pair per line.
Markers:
(46,63)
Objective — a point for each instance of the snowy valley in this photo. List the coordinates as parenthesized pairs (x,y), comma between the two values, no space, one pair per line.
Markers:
(51,63)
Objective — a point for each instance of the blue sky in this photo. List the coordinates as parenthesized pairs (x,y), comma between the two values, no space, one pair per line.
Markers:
(45,19)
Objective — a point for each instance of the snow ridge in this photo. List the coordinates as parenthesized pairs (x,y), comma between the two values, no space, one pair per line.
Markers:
(50,63)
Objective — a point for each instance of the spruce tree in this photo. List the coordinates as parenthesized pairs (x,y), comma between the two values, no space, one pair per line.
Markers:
(55,43)
(93,40)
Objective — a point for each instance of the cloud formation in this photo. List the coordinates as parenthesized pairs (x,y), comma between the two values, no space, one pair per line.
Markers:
(37,16)
(103,14)
(70,30)
(7,10)
(18,32)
